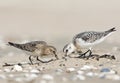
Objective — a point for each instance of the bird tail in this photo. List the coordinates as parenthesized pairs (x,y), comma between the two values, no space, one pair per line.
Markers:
(111,30)
(15,45)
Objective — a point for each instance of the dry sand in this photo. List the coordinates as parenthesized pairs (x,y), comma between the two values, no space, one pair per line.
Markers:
(57,22)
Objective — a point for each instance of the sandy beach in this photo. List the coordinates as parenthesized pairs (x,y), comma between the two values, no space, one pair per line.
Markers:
(57,22)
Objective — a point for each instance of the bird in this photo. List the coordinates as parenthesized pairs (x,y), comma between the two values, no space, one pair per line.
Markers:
(36,49)
(87,40)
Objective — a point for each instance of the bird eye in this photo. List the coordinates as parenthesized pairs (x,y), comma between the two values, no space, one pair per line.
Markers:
(66,51)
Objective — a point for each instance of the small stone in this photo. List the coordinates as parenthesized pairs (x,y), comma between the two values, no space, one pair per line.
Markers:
(80,72)
(108,71)
(17,68)
(47,77)
(78,77)
(105,70)
(68,70)
(35,71)
(90,74)
(88,67)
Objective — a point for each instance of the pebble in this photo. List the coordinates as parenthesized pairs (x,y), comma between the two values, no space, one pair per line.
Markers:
(80,72)
(68,70)
(78,77)
(88,67)
(35,71)
(105,70)
(90,74)
(108,71)
(17,68)
(47,77)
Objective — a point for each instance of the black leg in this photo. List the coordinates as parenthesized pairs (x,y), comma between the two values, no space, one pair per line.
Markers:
(55,55)
(30,59)
(90,53)
(43,61)
(83,55)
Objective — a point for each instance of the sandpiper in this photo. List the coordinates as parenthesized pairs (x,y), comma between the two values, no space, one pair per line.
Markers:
(86,40)
(36,49)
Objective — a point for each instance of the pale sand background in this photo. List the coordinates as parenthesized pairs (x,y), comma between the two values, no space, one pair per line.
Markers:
(57,21)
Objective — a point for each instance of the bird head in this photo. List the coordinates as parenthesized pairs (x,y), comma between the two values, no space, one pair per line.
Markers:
(51,51)
(69,49)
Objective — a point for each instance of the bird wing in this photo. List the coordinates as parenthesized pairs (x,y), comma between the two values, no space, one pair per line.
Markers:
(30,46)
(89,37)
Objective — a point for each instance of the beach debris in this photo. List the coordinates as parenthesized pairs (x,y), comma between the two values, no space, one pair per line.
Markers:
(12,64)
(111,57)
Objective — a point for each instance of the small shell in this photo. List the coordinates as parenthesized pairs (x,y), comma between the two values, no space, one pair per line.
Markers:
(80,72)
(17,68)
(68,70)
(88,67)
(90,74)
(78,77)
(35,71)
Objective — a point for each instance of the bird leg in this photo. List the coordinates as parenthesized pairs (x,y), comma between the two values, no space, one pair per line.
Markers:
(83,55)
(43,61)
(56,56)
(30,59)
